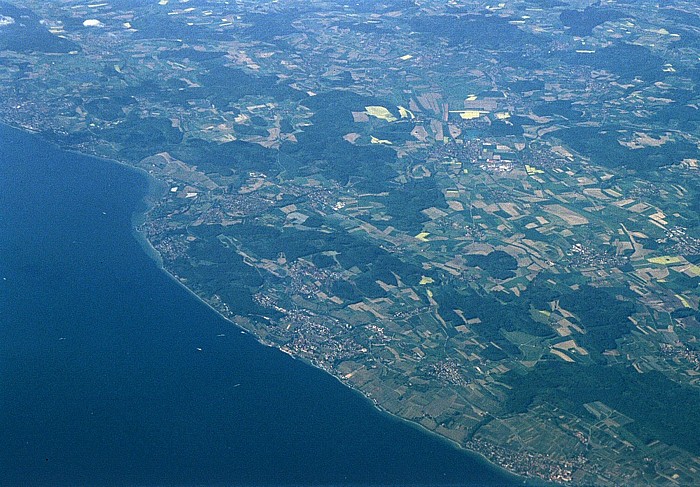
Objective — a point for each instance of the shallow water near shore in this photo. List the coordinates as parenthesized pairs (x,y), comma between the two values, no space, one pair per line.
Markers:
(112,373)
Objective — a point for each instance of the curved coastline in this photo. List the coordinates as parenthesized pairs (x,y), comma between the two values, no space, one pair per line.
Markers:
(155,255)
(453,444)
(155,190)
(154,184)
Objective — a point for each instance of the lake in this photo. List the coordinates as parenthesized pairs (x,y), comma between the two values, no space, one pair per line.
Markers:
(112,373)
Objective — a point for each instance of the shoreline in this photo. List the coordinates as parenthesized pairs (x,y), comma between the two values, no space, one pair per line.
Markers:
(155,255)
(155,189)
(480,457)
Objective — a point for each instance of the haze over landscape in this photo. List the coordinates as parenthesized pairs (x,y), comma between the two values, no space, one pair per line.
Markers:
(366,243)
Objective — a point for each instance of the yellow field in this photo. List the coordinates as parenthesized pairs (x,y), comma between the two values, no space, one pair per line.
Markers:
(375,140)
(665,260)
(380,112)
(469,114)
(693,270)
(426,280)
(406,113)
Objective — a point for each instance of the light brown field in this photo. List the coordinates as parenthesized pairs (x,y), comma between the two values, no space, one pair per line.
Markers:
(569,216)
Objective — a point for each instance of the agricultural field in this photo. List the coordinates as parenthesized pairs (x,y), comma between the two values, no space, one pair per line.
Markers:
(484,218)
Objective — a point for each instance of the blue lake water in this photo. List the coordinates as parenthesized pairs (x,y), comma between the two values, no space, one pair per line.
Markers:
(101,379)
